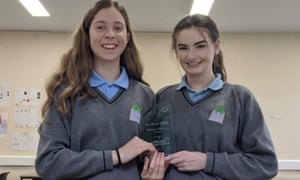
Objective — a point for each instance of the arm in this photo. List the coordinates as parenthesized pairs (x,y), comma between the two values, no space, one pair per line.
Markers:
(57,159)
(188,160)
(257,158)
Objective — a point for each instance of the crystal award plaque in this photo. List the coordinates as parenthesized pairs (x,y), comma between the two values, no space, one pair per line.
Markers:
(157,128)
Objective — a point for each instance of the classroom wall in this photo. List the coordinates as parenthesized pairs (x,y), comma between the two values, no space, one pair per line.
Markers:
(267,63)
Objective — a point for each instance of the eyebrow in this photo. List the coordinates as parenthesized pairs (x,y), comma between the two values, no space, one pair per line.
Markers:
(104,22)
(200,42)
(196,43)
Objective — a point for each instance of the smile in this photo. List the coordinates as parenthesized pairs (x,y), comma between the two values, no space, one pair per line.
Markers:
(109,46)
(193,63)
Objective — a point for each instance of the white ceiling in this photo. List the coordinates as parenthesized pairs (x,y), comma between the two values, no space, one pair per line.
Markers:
(159,15)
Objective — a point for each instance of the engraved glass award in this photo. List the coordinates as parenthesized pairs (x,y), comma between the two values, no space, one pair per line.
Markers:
(157,128)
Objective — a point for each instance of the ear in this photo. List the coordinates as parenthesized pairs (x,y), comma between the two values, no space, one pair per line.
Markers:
(217,45)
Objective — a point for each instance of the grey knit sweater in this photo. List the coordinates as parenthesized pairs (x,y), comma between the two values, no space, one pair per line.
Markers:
(80,147)
(229,127)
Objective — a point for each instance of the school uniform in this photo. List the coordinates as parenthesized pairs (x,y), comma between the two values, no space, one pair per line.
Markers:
(80,146)
(225,122)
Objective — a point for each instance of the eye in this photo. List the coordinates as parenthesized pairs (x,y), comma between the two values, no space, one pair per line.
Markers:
(182,47)
(100,27)
(200,45)
(119,28)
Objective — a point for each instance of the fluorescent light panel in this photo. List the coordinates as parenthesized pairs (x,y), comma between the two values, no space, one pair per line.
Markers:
(201,7)
(34,7)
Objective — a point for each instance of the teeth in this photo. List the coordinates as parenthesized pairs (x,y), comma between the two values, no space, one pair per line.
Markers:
(109,46)
(193,63)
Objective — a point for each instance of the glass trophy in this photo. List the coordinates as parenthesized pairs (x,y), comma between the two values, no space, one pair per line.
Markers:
(157,128)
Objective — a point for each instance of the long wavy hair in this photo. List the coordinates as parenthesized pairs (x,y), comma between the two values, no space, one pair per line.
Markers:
(202,21)
(77,63)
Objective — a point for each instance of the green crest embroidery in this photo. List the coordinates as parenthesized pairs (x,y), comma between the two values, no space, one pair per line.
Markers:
(135,113)
(220,109)
(136,108)
(217,114)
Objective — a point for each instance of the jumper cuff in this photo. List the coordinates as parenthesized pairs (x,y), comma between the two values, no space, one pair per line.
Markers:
(108,160)
(210,162)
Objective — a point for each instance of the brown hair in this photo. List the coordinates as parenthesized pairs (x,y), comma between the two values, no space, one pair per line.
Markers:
(202,21)
(77,64)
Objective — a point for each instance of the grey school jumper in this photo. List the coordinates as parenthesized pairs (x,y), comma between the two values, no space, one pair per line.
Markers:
(80,147)
(229,126)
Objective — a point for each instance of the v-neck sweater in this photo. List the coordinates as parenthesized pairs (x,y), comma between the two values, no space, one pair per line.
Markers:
(80,146)
(227,125)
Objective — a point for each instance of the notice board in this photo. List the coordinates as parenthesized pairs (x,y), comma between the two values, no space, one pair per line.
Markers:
(27,60)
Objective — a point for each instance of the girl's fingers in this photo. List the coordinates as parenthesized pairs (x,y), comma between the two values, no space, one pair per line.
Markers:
(152,163)
(158,163)
(146,165)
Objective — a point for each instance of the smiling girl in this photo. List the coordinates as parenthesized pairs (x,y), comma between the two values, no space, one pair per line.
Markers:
(95,103)
(219,128)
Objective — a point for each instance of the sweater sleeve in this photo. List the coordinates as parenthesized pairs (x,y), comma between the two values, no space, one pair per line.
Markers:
(56,160)
(257,158)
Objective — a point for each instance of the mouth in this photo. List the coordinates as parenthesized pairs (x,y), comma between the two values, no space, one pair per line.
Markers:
(194,63)
(109,46)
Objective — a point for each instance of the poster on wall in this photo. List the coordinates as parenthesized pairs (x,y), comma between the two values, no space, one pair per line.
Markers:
(4,94)
(28,97)
(24,141)
(3,123)
(26,118)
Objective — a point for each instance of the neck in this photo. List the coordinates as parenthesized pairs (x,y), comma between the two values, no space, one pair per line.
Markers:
(198,83)
(109,71)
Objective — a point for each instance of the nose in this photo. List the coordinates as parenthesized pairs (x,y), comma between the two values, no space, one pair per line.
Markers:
(191,54)
(109,33)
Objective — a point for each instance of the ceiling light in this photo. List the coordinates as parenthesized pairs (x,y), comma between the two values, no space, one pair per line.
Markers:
(201,6)
(34,7)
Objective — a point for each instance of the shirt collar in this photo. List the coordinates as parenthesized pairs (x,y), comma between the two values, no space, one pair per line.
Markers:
(215,85)
(96,80)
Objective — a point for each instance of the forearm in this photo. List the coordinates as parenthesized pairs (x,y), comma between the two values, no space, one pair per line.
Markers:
(241,165)
(66,164)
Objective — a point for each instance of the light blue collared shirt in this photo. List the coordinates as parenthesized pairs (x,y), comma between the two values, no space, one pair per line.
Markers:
(109,89)
(215,85)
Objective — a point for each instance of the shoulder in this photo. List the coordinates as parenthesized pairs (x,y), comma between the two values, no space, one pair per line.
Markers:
(59,90)
(167,93)
(167,89)
(242,92)
(237,88)
(144,88)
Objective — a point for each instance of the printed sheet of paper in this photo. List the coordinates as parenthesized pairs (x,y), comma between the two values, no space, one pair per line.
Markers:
(28,97)
(26,118)
(4,94)
(24,141)
(3,123)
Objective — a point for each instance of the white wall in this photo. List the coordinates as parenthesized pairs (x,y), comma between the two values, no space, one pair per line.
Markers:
(268,64)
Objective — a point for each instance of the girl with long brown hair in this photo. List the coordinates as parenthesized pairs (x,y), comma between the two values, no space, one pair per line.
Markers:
(95,102)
